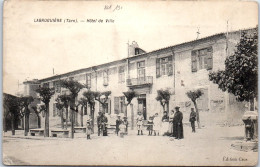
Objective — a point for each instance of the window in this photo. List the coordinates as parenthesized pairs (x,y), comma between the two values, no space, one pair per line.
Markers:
(57,86)
(119,105)
(88,80)
(122,104)
(141,70)
(46,85)
(121,74)
(116,105)
(164,66)
(137,51)
(105,77)
(201,59)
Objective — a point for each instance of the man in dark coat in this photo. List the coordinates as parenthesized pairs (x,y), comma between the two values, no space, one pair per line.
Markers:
(177,124)
(99,122)
(193,119)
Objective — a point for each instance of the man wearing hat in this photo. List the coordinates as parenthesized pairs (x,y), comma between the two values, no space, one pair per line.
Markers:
(177,124)
(139,120)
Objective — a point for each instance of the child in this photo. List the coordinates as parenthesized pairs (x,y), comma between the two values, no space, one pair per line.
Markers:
(156,125)
(122,129)
(150,126)
(139,123)
(118,123)
(89,130)
(125,122)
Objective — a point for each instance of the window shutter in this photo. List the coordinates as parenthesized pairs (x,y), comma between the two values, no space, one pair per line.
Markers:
(194,61)
(170,70)
(116,106)
(210,58)
(157,67)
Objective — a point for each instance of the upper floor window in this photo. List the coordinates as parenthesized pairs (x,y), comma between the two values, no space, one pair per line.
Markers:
(121,74)
(137,51)
(141,69)
(105,77)
(57,86)
(46,85)
(201,59)
(164,66)
(88,80)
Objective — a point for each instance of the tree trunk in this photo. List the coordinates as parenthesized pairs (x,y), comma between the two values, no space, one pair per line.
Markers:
(252,106)
(13,124)
(46,130)
(72,123)
(67,117)
(27,114)
(72,109)
(167,108)
(76,115)
(39,120)
(198,115)
(4,123)
(92,117)
(22,119)
(132,116)
(61,118)
(81,116)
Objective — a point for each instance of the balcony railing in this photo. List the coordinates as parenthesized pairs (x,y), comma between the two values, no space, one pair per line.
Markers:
(148,80)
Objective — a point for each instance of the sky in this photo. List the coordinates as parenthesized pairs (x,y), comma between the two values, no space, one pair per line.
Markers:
(31,50)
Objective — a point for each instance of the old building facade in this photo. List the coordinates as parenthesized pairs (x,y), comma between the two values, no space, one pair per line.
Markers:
(179,68)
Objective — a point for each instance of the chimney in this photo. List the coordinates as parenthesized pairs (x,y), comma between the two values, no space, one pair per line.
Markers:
(133,49)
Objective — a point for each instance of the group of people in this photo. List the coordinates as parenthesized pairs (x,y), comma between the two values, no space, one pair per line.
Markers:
(170,125)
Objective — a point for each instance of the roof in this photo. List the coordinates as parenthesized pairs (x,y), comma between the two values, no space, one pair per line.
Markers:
(188,43)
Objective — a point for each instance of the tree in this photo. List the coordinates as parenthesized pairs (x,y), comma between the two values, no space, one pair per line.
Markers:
(37,112)
(84,104)
(24,102)
(11,105)
(90,97)
(194,95)
(130,94)
(74,87)
(45,95)
(240,74)
(64,101)
(102,98)
(163,96)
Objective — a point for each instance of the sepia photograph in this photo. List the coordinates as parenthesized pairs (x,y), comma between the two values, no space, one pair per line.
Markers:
(130,83)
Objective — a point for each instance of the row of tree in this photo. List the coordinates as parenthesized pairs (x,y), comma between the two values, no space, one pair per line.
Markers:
(238,78)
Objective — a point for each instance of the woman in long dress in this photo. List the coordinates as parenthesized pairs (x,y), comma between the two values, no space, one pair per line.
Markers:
(156,124)
(171,122)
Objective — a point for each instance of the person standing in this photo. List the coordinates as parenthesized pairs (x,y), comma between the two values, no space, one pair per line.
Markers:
(156,124)
(171,122)
(89,130)
(193,119)
(177,124)
(118,123)
(165,123)
(139,120)
(104,121)
(150,126)
(99,122)
(125,122)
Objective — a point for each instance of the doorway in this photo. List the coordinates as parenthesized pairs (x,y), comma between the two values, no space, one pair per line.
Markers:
(142,107)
